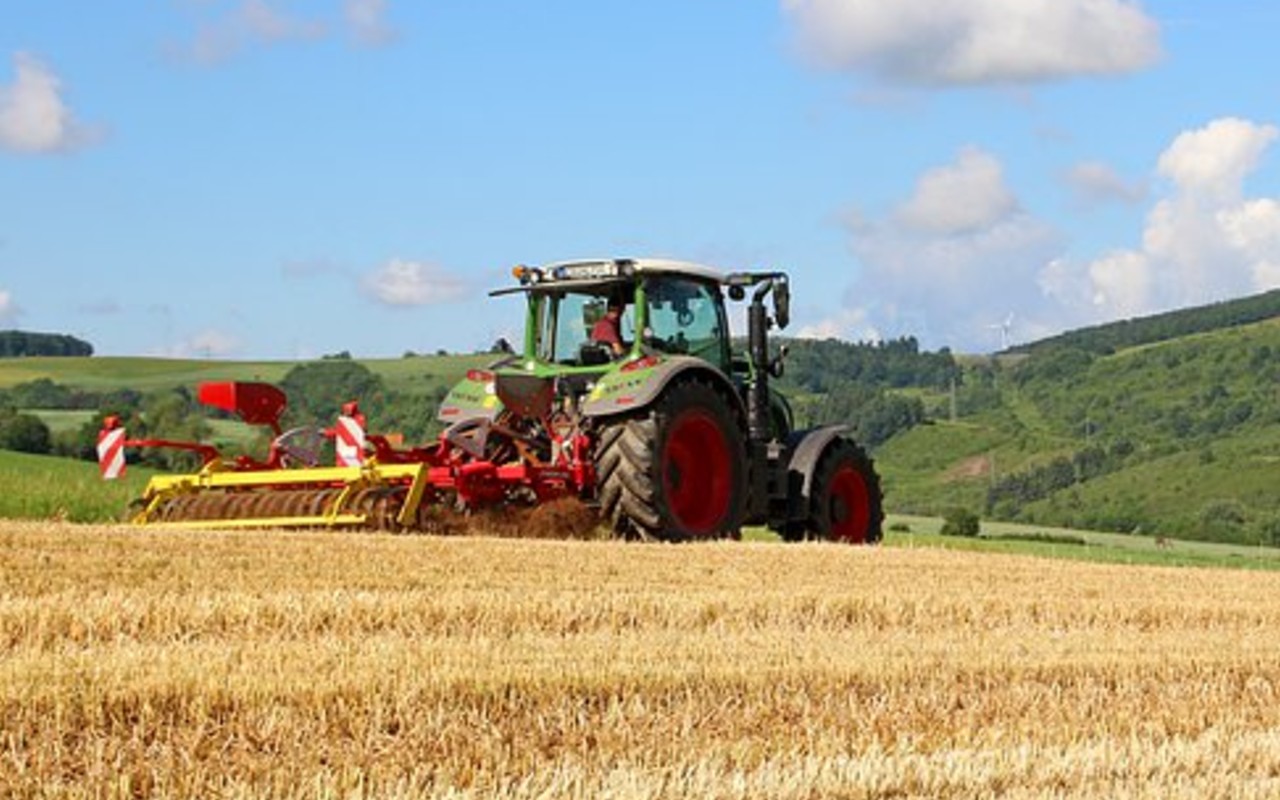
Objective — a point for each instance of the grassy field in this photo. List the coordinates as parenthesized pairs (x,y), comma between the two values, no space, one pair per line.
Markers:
(44,487)
(102,373)
(314,665)
(1080,545)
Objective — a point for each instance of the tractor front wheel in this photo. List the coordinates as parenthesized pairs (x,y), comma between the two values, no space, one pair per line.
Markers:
(678,471)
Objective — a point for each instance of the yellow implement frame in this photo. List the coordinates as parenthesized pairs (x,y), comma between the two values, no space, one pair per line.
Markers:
(162,488)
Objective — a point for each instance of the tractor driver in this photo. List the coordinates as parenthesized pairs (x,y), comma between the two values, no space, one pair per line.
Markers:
(608,329)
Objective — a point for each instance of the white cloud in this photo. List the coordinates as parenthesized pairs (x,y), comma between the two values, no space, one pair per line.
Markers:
(961,253)
(1120,283)
(209,343)
(966,42)
(1202,241)
(366,20)
(228,29)
(1093,183)
(1212,162)
(9,310)
(251,23)
(412,283)
(963,197)
(33,116)
(849,324)
(955,257)
(1253,229)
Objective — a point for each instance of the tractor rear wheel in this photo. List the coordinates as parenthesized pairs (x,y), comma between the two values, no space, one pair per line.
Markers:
(676,472)
(845,497)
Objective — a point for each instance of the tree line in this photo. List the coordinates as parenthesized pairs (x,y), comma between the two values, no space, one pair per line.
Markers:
(831,382)
(1110,337)
(823,365)
(16,344)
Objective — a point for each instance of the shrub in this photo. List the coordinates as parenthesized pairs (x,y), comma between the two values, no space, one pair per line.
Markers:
(1269,531)
(961,522)
(25,433)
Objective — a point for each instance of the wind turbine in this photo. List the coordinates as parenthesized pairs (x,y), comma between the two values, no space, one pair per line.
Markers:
(1003,327)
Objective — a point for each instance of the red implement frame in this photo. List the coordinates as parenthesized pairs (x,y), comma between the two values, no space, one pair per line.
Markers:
(456,467)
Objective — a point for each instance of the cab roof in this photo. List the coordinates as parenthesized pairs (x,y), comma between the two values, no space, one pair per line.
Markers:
(643,266)
(598,274)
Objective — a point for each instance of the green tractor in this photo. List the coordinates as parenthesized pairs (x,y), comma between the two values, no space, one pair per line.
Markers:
(628,394)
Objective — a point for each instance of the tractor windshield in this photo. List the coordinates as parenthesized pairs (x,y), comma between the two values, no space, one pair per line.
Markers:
(565,323)
(687,317)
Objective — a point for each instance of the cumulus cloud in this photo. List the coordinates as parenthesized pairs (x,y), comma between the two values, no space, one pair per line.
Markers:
(960,253)
(367,23)
(1203,240)
(228,29)
(1211,163)
(1094,183)
(963,197)
(972,42)
(9,310)
(412,283)
(251,23)
(951,259)
(33,116)
(850,324)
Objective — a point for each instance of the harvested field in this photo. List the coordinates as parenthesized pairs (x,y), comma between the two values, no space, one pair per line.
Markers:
(137,663)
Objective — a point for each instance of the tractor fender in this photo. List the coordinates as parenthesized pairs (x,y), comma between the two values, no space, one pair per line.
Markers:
(622,391)
(806,448)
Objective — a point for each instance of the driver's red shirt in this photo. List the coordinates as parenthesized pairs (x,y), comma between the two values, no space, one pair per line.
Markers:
(606,331)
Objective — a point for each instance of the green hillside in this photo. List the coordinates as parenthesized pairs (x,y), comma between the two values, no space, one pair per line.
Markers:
(1181,438)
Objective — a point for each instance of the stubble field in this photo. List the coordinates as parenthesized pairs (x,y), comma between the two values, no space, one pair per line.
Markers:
(322,665)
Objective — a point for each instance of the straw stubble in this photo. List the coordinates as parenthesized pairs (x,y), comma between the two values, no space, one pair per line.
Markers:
(307,665)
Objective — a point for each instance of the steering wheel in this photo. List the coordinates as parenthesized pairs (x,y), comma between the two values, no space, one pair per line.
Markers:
(299,447)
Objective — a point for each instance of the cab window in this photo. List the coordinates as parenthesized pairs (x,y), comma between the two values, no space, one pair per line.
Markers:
(566,322)
(687,318)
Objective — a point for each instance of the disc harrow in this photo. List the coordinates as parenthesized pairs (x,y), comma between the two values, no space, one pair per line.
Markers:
(378,506)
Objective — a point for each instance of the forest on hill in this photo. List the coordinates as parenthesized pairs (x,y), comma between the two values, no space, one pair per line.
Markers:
(19,344)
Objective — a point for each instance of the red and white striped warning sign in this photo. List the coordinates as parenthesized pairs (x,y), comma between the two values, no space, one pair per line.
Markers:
(111,453)
(349,442)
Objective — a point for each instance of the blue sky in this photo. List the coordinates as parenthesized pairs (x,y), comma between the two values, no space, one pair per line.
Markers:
(285,179)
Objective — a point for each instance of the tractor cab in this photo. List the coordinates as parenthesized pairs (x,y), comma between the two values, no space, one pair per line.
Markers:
(665,307)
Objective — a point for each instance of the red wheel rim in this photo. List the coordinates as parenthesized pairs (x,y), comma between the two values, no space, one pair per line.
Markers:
(848,506)
(697,474)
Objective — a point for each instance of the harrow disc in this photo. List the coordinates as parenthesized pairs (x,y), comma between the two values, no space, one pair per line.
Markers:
(372,508)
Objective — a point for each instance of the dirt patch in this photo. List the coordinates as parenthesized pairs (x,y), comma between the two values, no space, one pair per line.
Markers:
(969,469)
(565,518)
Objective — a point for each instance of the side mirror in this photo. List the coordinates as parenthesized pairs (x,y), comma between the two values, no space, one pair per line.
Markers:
(736,292)
(781,303)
